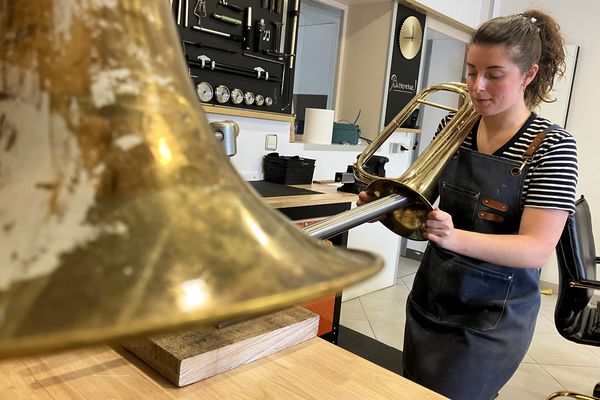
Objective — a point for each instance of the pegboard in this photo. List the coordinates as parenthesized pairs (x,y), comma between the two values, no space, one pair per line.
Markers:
(240,53)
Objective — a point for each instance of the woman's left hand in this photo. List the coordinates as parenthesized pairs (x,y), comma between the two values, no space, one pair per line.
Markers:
(439,228)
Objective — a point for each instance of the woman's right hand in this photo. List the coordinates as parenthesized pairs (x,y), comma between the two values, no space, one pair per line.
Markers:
(364,197)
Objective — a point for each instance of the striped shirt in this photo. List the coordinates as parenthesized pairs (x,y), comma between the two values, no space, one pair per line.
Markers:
(552,176)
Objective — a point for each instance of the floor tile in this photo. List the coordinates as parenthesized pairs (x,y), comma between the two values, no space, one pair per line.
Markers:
(545,325)
(392,292)
(530,382)
(408,280)
(359,326)
(595,350)
(575,379)
(383,309)
(352,309)
(406,267)
(528,360)
(390,333)
(549,348)
(547,306)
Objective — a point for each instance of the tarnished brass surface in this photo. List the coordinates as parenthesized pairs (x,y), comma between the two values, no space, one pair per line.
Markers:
(419,182)
(119,213)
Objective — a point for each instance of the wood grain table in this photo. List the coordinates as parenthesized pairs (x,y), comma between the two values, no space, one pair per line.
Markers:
(314,369)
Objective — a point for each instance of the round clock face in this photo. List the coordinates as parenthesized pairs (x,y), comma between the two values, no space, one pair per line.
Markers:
(237,96)
(205,91)
(249,98)
(260,100)
(268,101)
(410,38)
(222,94)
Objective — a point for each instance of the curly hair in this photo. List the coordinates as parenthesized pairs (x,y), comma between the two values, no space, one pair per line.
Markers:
(532,37)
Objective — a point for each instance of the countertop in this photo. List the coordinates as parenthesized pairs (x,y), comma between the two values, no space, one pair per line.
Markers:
(328,194)
(314,369)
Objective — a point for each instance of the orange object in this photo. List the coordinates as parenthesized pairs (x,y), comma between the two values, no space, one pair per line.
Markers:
(325,308)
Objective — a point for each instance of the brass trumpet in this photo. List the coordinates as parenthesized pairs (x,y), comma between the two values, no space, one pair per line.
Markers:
(406,200)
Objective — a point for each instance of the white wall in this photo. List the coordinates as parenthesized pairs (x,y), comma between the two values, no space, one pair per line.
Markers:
(317,49)
(329,160)
(364,63)
(578,21)
(467,12)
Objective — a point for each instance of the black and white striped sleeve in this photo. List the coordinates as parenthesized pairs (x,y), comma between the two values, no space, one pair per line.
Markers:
(553,180)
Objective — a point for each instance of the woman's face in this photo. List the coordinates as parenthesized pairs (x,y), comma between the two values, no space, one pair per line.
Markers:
(495,83)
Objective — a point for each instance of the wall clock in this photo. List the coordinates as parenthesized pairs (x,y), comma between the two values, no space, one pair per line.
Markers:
(410,38)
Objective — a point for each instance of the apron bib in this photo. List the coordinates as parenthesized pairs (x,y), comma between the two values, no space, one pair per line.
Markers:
(469,322)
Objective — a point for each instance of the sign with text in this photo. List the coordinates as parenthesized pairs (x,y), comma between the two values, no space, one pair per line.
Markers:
(404,73)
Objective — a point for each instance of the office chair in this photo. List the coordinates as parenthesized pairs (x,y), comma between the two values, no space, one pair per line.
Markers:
(574,318)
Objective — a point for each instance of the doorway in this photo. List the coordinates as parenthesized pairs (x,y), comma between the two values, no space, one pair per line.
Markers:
(315,76)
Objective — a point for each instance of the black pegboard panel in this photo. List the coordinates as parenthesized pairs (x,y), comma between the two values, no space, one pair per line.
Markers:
(258,60)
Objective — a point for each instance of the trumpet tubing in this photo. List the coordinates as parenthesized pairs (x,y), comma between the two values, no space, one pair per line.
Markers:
(410,195)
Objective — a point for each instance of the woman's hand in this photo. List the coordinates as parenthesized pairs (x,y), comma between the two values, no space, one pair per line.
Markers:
(439,229)
(364,198)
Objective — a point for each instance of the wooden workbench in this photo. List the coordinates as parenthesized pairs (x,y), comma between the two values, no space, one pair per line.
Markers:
(328,194)
(308,208)
(314,369)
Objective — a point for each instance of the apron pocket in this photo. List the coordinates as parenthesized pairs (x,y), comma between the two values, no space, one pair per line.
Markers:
(460,203)
(457,292)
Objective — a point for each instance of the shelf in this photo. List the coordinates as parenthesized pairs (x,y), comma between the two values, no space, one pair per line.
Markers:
(240,112)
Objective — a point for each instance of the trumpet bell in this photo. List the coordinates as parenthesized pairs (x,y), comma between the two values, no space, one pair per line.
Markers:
(417,186)
(120,214)
(406,221)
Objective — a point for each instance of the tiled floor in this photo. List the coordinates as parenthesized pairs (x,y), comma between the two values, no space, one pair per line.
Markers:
(552,362)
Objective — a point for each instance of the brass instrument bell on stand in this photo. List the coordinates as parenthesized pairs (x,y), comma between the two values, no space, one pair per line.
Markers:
(120,214)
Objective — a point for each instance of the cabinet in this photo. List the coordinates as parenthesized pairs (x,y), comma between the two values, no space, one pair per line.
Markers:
(309,208)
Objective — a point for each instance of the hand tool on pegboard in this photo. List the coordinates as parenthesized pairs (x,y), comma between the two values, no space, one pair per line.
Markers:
(231,6)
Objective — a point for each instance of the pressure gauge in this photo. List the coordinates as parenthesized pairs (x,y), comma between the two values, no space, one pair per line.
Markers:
(222,94)
(237,96)
(249,98)
(268,101)
(205,91)
(260,100)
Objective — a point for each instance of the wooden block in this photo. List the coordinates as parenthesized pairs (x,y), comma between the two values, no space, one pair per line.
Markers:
(194,355)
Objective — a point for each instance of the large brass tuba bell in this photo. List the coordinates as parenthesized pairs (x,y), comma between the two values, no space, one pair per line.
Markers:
(406,200)
(119,213)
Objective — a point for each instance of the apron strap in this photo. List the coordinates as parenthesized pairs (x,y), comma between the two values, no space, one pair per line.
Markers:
(535,144)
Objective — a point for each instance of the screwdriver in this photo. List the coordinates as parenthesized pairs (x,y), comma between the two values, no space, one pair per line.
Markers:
(225,18)
(224,3)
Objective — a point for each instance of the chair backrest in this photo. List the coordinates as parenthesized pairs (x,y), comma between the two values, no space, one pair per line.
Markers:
(576,256)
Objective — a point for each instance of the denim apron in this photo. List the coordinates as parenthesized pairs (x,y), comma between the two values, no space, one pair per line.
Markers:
(469,322)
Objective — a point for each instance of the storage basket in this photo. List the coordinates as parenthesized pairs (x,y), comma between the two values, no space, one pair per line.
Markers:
(288,170)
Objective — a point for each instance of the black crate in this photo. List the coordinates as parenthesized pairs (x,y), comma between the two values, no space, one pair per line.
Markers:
(288,170)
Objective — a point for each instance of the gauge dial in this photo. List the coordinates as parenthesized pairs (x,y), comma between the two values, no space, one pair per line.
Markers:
(205,91)
(237,96)
(268,101)
(222,94)
(260,100)
(249,98)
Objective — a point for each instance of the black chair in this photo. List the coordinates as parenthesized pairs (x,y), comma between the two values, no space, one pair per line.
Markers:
(575,319)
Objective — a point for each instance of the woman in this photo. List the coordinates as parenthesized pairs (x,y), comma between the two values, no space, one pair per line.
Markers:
(504,199)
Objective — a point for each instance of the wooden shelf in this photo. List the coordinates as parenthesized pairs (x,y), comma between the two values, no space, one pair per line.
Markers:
(240,112)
